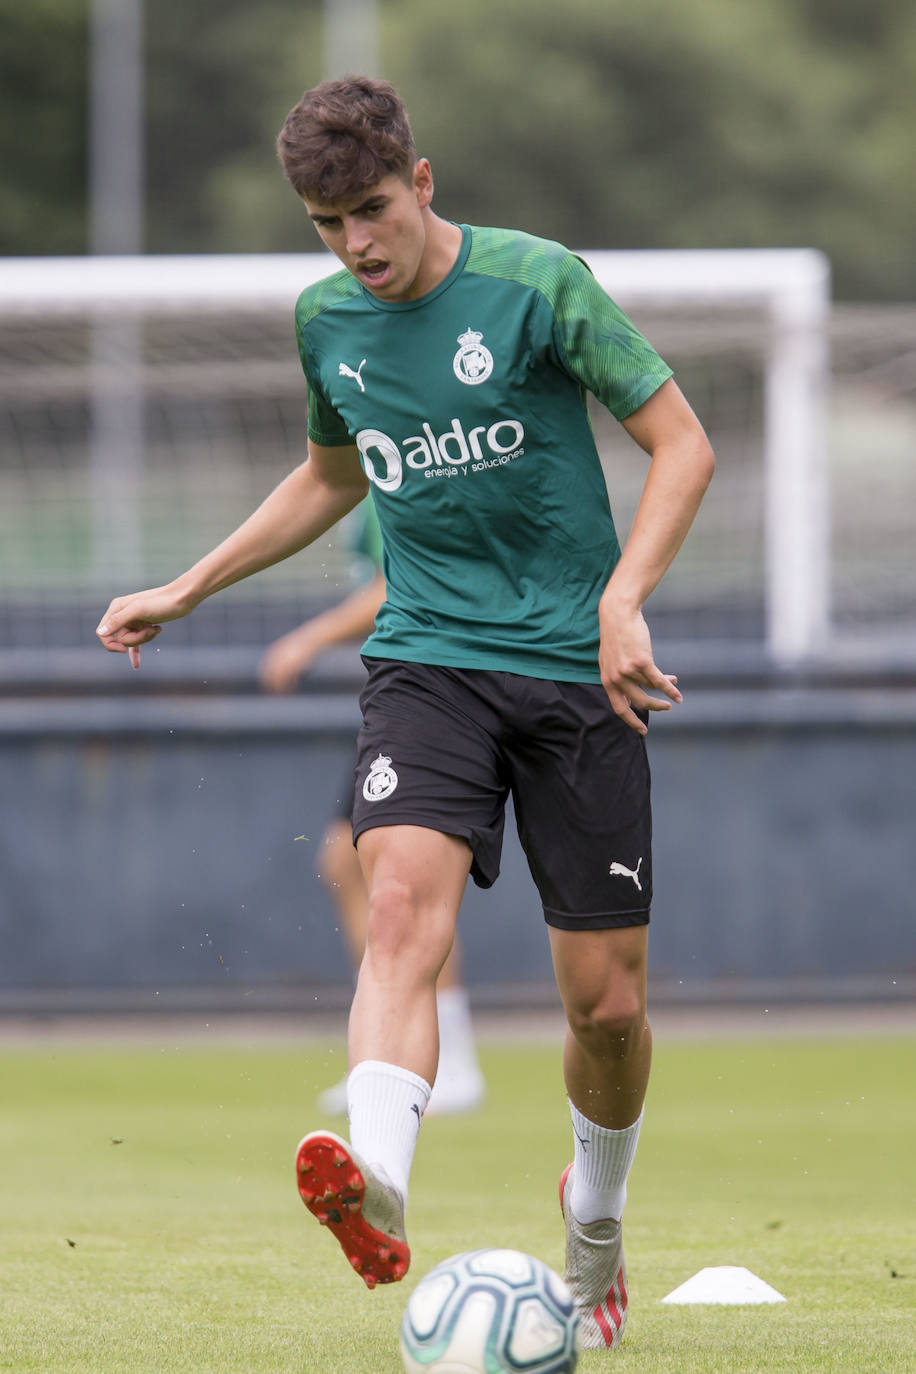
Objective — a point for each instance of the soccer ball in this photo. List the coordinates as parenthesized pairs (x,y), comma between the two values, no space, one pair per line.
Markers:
(490,1312)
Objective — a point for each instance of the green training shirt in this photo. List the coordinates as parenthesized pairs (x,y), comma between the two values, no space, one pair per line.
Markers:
(364,539)
(468,407)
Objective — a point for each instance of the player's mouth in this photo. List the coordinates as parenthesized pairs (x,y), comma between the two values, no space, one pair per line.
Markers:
(374,273)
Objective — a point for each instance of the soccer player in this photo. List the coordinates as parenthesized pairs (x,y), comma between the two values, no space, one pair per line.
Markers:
(448,366)
(459,1085)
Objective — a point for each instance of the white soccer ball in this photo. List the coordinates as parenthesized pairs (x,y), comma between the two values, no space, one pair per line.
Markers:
(490,1312)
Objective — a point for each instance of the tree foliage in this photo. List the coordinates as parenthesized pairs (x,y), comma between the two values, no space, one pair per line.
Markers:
(221,77)
(701,124)
(599,122)
(42,130)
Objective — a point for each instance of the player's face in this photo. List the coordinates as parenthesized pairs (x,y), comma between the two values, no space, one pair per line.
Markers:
(380,235)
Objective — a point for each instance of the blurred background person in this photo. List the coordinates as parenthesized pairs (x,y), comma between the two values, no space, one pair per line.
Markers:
(459,1085)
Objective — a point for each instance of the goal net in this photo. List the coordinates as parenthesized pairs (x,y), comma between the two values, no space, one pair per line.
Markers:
(148,404)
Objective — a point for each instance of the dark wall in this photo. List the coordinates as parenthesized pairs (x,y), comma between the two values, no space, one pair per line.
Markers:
(161,844)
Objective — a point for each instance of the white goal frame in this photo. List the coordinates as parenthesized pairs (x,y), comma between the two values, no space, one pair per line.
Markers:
(790,287)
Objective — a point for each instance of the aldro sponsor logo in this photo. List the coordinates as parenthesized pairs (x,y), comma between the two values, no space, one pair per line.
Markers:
(444,455)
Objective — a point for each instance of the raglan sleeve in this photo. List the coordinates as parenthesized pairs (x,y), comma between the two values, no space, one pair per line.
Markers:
(598,345)
(325,425)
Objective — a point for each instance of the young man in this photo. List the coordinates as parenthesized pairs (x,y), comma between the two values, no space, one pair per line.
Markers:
(459,1085)
(449,366)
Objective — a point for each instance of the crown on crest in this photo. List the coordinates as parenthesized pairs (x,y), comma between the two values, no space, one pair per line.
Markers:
(471,339)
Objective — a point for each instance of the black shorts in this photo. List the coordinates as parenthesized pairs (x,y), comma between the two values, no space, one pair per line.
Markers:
(444,748)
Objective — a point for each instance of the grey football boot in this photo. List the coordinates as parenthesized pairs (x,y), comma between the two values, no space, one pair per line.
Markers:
(597,1275)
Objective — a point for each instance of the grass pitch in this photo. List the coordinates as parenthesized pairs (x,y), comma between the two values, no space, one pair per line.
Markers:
(150,1222)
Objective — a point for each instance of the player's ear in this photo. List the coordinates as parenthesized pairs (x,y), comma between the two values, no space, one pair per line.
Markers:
(423,182)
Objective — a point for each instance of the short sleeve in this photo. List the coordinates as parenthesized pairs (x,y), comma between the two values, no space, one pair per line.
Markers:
(598,345)
(325,425)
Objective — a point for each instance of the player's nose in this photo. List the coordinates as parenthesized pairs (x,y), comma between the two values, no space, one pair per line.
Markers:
(359,239)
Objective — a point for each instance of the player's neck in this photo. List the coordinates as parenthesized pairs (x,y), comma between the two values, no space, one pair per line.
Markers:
(443,244)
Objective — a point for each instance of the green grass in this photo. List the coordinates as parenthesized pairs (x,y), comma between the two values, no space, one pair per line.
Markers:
(184,1247)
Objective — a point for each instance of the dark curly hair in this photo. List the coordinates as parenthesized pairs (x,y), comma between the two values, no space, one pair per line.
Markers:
(344,136)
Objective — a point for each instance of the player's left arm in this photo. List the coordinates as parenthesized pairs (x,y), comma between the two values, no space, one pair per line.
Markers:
(680,470)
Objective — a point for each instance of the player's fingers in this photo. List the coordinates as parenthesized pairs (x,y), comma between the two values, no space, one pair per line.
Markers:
(127,616)
(623,708)
(644,701)
(657,681)
(126,636)
(669,686)
(113,619)
(128,639)
(114,646)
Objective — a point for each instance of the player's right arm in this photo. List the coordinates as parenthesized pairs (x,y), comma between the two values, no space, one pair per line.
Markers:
(303,507)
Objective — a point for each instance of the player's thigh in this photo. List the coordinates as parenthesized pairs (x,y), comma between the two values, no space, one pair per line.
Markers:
(582,793)
(425,867)
(416,879)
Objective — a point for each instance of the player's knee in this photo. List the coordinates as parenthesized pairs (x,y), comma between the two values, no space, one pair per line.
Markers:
(405,939)
(611,1026)
(394,924)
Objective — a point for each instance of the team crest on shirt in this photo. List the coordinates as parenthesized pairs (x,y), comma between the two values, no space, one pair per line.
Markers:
(382,780)
(472,363)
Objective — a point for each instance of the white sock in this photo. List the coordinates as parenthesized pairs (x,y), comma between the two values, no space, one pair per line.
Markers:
(602,1160)
(385,1104)
(457,1053)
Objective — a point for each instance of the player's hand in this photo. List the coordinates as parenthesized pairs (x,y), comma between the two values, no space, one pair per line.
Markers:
(135,620)
(284,661)
(628,670)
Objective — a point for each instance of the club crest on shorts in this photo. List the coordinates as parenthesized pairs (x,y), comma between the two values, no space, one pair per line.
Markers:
(382,780)
(472,363)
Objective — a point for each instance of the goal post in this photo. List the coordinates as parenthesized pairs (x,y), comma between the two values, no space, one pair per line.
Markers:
(791,287)
(164,355)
